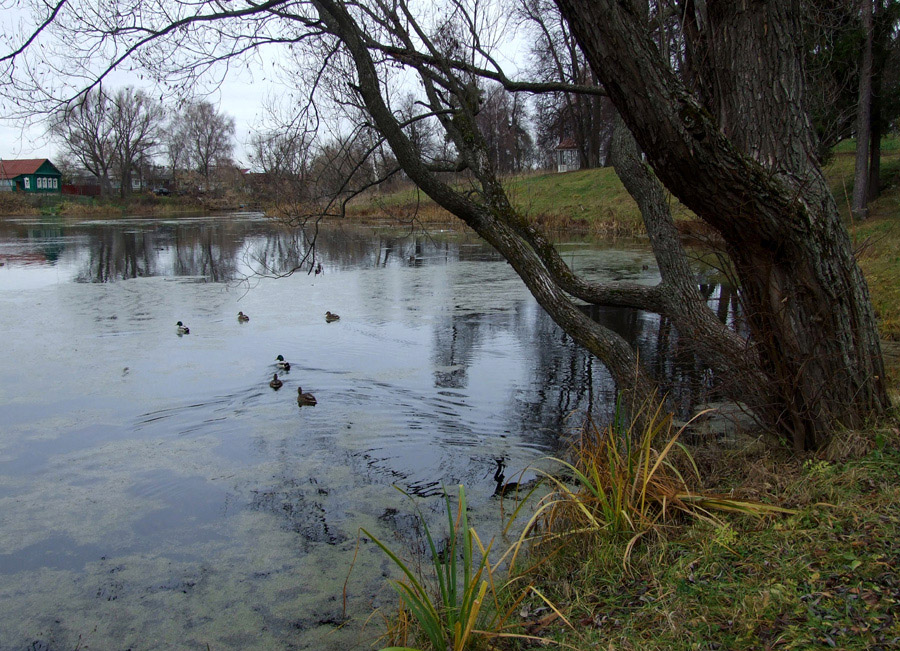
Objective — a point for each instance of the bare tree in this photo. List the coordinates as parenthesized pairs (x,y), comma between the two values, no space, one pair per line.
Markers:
(134,123)
(586,120)
(210,138)
(174,145)
(283,157)
(502,118)
(83,127)
(110,134)
(721,122)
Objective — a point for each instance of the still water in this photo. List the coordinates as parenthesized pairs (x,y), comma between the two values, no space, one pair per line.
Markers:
(155,493)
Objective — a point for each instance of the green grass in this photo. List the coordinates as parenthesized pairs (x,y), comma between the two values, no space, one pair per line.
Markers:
(595,200)
(825,576)
(828,576)
(452,605)
(584,200)
(889,143)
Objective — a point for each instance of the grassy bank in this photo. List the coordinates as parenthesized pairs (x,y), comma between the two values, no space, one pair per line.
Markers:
(587,201)
(826,574)
(91,207)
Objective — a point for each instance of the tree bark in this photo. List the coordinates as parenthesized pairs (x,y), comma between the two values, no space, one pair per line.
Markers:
(742,157)
(863,117)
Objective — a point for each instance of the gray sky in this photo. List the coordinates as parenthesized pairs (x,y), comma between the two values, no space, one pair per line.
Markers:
(242,98)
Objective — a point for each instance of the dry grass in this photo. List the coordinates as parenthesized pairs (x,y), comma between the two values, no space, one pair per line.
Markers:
(15,203)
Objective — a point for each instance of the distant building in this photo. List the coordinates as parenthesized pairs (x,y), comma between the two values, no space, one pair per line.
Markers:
(33,175)
(567,158)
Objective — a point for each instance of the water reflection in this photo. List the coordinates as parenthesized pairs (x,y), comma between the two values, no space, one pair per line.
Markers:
(217,249)
(175,465)
(226,249)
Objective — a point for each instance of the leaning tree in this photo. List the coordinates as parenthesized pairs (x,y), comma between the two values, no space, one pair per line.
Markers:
(720,119)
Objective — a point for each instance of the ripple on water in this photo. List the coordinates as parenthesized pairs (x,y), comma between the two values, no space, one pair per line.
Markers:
(157,494)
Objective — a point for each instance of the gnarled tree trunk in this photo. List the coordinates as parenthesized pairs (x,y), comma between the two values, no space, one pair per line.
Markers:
(742,157)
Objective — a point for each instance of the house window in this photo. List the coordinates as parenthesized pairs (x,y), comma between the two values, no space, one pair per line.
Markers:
(27,182)
(55,184)
(41,181)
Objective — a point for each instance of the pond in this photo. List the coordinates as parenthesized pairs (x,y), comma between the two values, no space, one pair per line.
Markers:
(156,493)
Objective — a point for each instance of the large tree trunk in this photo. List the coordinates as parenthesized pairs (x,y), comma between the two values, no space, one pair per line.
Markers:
(743,159)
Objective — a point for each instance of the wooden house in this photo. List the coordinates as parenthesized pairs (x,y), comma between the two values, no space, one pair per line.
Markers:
(32,175)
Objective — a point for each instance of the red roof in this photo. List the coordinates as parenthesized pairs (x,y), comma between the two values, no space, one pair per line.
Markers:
(566,143)
(9,169)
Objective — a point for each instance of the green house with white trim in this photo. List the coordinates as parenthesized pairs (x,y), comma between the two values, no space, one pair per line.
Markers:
(31,175)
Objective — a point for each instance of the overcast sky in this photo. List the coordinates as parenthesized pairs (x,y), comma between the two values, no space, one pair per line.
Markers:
(241,98)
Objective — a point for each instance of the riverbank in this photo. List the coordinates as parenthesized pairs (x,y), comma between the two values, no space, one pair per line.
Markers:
(145,204)
(823,574)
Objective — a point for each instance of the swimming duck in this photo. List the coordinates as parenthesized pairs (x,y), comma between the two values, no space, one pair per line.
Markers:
(276,383)
(305,398)
(282,364)
(243,318)
(182,329)
(330,316)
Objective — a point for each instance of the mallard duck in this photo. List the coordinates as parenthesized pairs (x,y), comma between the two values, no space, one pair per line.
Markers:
(182,329)
(243,318)
(276,383)
(305,398)
(282,364)
(330,316)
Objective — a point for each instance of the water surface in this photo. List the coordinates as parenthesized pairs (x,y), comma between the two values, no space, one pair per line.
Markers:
(155,493)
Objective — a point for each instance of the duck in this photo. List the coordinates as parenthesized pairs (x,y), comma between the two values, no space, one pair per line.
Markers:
(282,364)
(331,316)
(182,329)
(305,398)
(276,383)
(243,318)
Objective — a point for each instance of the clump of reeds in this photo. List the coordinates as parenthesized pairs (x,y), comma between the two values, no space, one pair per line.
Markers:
(447,615)
(625,480)
(458,602)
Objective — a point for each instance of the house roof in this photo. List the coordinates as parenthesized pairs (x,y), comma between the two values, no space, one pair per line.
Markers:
(566,143)
(9,169)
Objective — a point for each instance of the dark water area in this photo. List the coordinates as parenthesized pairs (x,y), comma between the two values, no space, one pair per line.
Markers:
(156,493)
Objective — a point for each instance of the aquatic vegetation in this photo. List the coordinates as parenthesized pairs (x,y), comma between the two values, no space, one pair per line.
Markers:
(620,481)
(461,604)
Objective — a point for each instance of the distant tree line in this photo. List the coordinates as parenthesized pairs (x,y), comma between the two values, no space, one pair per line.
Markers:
(116,136)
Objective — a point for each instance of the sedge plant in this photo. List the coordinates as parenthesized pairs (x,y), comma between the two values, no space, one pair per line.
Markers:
(450,614)
(623,480)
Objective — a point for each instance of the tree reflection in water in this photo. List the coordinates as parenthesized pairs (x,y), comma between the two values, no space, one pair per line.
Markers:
(233,249)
